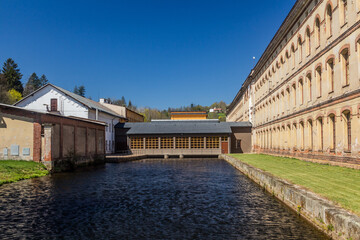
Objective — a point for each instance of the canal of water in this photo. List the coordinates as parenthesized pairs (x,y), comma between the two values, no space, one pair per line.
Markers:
(149,199)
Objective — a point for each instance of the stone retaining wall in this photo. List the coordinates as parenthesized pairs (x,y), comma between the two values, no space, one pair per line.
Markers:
(334,221)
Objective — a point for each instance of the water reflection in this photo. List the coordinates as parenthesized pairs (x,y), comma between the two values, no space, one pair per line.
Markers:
(152,199)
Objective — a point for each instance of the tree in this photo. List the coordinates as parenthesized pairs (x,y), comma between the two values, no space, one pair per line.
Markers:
(32,84)
(80,90)
(14,96)
(12,75)
(43,80)
(123,101)
(76,90)
(131,106)
(4,95)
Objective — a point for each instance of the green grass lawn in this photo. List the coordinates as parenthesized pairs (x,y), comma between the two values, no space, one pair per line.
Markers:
(13,170)
(339,184)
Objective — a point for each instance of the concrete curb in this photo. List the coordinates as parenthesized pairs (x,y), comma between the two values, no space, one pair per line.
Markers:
(336,222)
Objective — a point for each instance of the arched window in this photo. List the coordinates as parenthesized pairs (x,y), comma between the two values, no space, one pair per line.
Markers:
(328,20)
(287,62)
(294,136)
(288,134)
(309,86)
(278,110)
(344,58)
(330,74)
(308,43)
(343,11)
(302,137)
(301,91)
(317,31)
(320,133)
(347,129)
(282,102)
(318,81)
(300,49)
(283,134)
(293,56)
(288,98)
(332,131)
(358,51)
(294,97)
(310,134)
(278,141)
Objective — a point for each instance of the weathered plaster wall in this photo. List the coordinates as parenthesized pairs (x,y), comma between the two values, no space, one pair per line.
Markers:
(16,131)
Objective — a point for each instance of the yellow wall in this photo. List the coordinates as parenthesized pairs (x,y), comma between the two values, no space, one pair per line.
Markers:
(16,130)
(189,117)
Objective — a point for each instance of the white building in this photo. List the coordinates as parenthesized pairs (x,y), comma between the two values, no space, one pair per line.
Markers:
(51,98)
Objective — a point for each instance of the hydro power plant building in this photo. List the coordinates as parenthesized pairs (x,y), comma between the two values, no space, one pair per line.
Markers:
(184,137)
(303,95)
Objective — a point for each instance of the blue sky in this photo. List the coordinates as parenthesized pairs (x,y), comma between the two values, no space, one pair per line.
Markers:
(160,53)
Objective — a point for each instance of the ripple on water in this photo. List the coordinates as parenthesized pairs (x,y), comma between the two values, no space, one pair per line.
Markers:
(152,199)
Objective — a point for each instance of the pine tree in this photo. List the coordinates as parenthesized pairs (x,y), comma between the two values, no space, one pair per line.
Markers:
(43,80)
(32,84)
(13,76)
(81,90)
(4,95)
(123,101)
(76,90)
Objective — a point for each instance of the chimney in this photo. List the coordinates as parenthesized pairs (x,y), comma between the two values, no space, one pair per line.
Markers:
(102,100)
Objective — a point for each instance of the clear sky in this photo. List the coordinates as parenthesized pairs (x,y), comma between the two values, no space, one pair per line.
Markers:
(159,53)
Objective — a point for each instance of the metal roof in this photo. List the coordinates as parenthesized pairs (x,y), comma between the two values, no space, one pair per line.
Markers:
(87,102)
(181,127)
(4,106)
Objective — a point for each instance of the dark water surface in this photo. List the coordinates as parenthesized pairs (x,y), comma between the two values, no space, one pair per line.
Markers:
(150,199)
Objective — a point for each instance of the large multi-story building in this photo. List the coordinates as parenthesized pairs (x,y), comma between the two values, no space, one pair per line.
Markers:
(303,95)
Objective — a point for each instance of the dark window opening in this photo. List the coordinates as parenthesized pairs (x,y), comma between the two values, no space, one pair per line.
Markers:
(53,105)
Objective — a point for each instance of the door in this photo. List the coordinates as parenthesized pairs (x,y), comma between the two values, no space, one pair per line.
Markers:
(224,148)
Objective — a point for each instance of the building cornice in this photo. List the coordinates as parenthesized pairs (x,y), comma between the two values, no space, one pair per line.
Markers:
(290,20)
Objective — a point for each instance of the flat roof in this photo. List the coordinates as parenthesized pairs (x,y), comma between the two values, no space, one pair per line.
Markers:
(180,127)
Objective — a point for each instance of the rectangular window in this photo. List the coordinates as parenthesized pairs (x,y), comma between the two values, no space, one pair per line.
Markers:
(151,143)
(212,142)
(137,142)
(167,142)
(182,142)
(53,105)
(238,144)
(197,142)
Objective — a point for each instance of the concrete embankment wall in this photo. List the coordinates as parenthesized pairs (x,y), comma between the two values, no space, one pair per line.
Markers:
(333,220)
